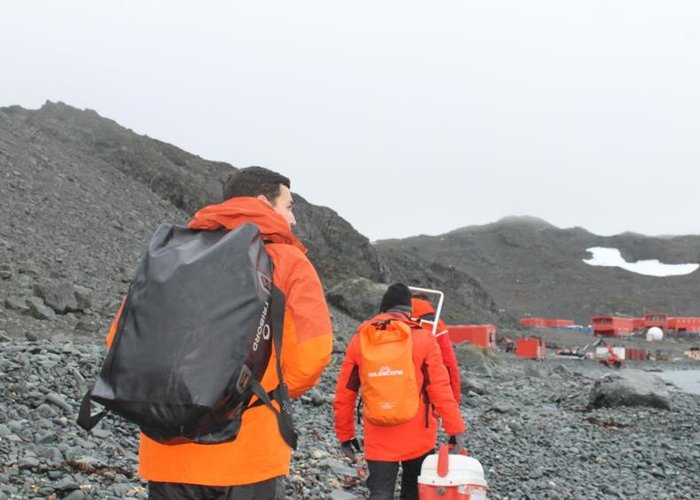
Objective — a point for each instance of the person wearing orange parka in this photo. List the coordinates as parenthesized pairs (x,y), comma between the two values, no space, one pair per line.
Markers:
(406,444)
(424,313)
(253,465)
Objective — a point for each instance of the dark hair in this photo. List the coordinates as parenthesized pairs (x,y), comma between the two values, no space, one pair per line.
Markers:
(254,181)
(397,296)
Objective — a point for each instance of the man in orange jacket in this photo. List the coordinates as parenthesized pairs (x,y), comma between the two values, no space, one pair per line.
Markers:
(251,466)
(424,313)
(408,443)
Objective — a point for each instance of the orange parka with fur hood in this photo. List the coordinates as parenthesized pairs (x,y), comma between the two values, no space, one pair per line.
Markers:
(259,452)
(415,437)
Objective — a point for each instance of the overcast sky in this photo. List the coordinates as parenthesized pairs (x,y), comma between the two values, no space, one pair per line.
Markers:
(405,117)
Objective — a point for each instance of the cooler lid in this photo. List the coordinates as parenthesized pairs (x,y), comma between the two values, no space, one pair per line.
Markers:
(461,470)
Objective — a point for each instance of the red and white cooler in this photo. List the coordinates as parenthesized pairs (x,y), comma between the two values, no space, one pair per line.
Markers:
(451,477)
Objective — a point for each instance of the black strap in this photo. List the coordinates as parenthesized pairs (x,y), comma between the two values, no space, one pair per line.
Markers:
(359,410)
(382,325)
(424,391)
(284,418)
(85,419)
(281,392)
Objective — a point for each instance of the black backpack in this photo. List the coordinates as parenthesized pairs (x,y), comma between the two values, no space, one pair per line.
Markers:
(194,338)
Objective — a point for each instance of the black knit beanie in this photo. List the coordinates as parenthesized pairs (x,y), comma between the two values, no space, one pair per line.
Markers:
(397,296)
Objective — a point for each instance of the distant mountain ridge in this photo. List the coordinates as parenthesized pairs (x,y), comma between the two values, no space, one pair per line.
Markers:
(531,267)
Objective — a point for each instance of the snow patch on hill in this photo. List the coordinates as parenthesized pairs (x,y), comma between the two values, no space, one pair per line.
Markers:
(611,257)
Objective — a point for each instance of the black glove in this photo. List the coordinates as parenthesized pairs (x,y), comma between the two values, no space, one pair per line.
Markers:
(350,447)
(458,444)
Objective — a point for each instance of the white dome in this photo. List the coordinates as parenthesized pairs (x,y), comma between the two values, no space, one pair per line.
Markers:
(654,333)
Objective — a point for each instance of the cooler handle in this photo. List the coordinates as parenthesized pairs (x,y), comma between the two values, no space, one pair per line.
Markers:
(443,464)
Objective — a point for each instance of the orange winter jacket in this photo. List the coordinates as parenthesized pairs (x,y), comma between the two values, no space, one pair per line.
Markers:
(259,452)
(413,438)
(424,313)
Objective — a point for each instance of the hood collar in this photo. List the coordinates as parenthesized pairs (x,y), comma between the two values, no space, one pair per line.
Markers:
(237,211)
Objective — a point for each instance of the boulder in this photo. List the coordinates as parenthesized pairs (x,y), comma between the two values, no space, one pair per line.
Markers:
(473,358)
(16,304)
(630,388)
(357,297)
(59,296)
(469,384)
(38,309)
(83,296)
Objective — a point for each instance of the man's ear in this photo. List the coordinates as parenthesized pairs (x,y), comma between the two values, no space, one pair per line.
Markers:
(262,197)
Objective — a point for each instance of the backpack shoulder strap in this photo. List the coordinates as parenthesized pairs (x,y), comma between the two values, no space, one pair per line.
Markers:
(281,392)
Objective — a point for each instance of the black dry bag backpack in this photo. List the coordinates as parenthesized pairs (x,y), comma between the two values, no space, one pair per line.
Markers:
(194,338)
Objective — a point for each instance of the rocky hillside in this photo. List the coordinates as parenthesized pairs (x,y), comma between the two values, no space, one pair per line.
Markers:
(80,196)
(533,268)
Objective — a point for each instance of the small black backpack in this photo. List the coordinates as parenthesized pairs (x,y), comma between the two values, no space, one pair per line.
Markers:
(194,338)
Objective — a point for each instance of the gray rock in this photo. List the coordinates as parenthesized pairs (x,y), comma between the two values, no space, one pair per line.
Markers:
(52,454)
(39,310)
(532,371)
(357,297)
(46,411)
(59,296)
(101,433)
(316,397)
(339,346)
(6,271)
(474,359)
(87,324)
(338,467)
(16,304)
(83,297)
(341,495)
(561,370)
(59,401)
(67,484)
(46,437)
(630,388)
(28,462)
(470,384)
(75,495)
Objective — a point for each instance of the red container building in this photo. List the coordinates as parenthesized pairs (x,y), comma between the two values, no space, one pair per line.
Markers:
(529,348)
(636,354)
(612,326)
(546,322)
(656,319)
(481,335)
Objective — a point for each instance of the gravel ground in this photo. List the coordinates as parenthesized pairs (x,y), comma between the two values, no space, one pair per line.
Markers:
(528,422)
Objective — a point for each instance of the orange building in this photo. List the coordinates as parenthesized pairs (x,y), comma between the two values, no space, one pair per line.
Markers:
(529,348)
(481,335)
(612,326)
(546,322)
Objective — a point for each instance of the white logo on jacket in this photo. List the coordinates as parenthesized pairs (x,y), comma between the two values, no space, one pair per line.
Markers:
(386,371)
